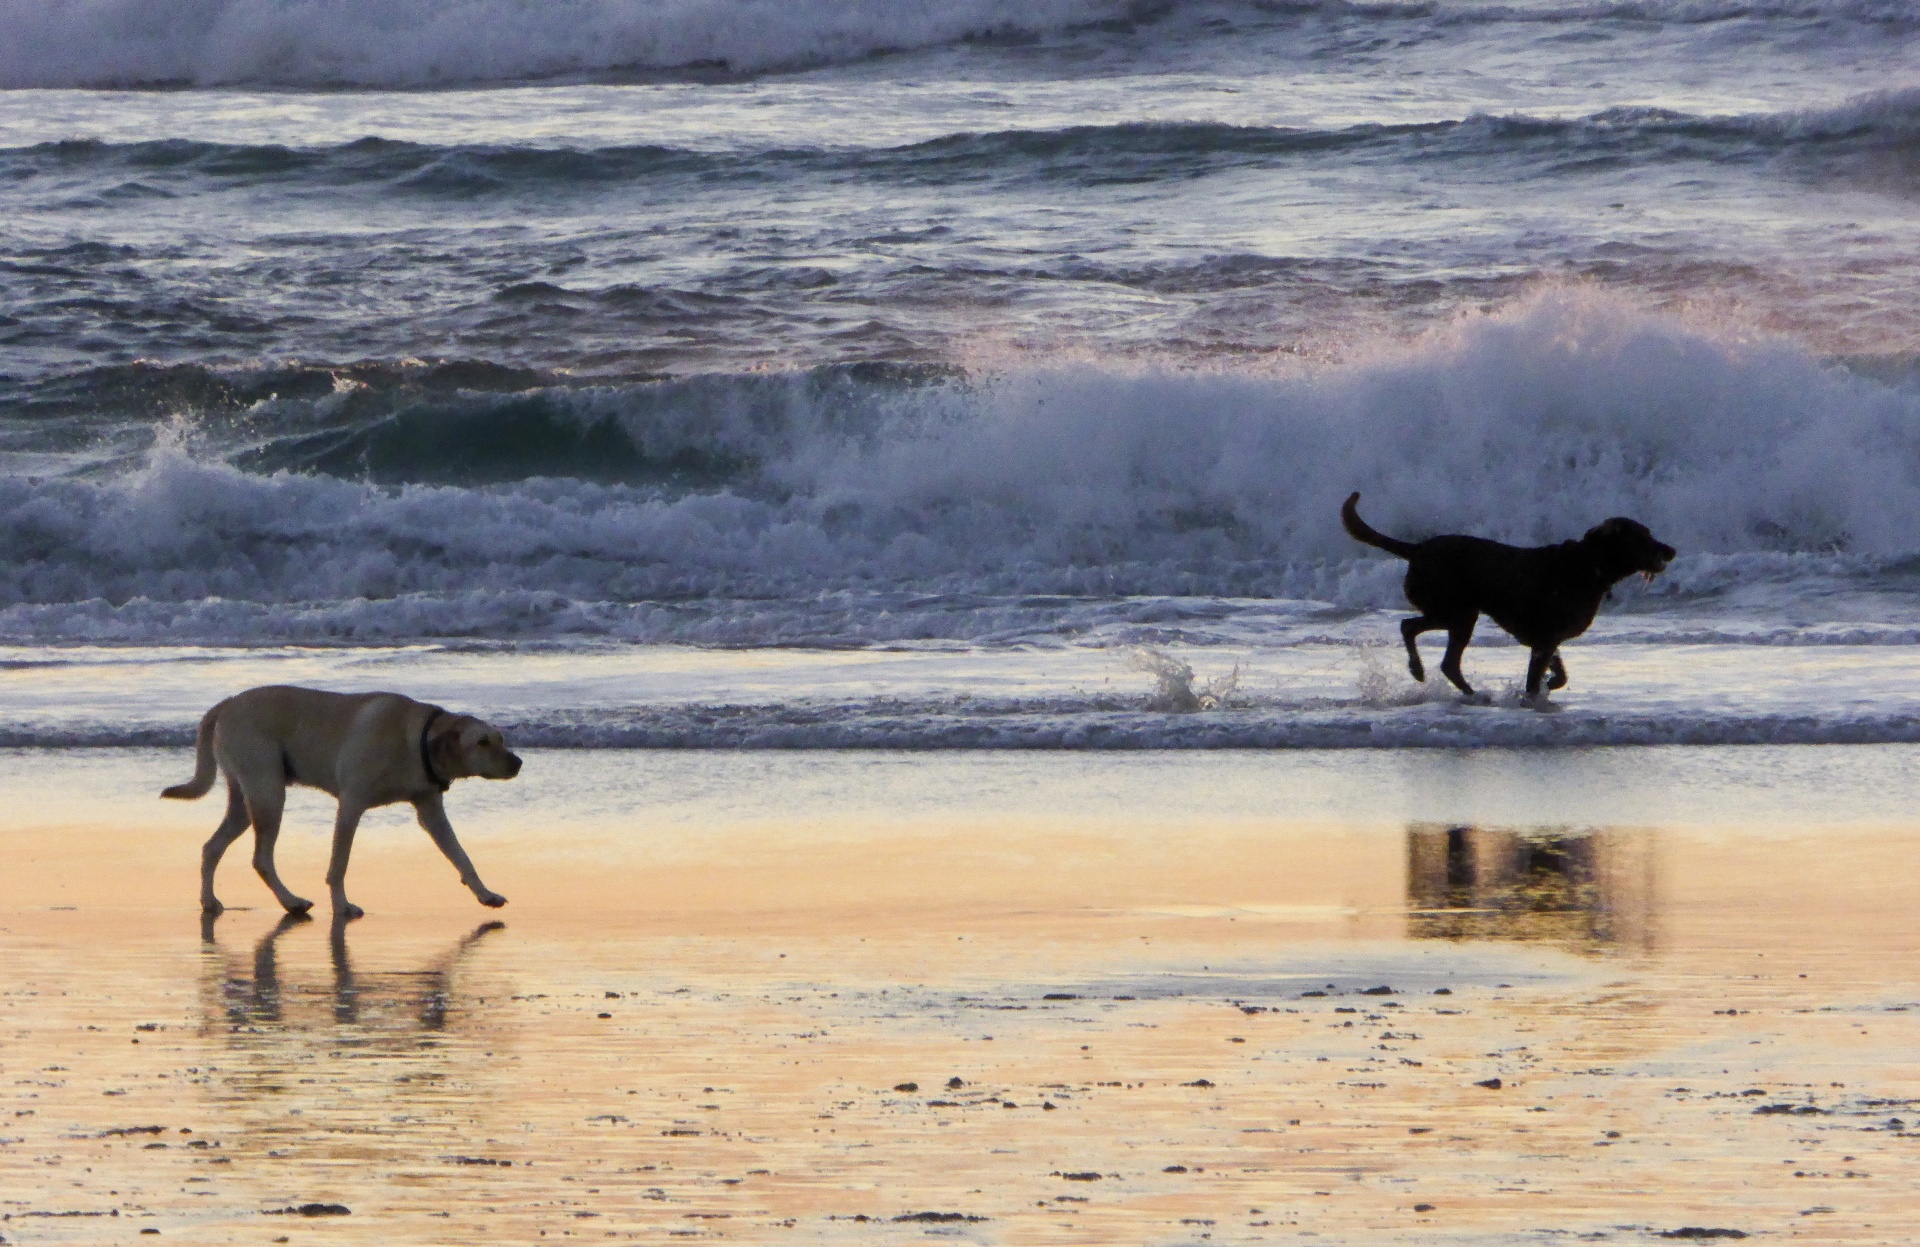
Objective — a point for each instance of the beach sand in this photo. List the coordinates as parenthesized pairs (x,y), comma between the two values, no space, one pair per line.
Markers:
(991,998)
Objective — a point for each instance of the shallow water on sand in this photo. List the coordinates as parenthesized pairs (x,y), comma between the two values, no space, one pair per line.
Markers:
(1343,689)
(732,989)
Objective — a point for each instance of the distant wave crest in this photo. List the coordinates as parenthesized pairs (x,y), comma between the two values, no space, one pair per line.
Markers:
(415,43)
(423,43)
(1864,126)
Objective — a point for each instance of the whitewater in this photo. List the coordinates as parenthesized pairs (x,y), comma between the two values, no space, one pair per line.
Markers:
(713,373)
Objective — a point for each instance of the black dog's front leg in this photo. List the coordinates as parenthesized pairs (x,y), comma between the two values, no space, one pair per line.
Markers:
(1458,635)
(1556,672)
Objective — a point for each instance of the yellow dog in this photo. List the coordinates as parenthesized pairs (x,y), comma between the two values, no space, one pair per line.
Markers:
(366,749)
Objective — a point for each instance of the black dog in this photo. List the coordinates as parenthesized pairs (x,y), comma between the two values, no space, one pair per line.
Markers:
(1542,595)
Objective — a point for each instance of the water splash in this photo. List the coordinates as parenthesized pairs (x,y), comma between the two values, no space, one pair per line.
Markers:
(1174,691)
(1382,683)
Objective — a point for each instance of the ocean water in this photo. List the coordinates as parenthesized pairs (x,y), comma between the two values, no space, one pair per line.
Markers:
(953,374)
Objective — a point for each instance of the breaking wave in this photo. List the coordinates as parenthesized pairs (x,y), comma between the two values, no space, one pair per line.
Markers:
(837,499)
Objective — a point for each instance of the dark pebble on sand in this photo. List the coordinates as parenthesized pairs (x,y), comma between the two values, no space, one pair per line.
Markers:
(1087,1176)
(1377,991)
(906,1086)
(953,1083)
(940,1217)
(312,1210)
(1423,1207)
(1491,1084)
(1198,1082)
(1697,1231)
(1174,1169)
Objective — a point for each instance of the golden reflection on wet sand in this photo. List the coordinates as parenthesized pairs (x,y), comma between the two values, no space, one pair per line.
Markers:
(1001,1034)
(1593,889)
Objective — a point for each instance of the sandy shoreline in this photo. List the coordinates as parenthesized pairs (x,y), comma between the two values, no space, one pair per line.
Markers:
(1693,1025)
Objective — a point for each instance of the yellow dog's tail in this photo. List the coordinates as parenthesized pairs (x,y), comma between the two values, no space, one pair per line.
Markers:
(204,768)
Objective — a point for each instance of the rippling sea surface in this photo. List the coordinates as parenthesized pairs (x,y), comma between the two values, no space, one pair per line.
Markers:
(952,374)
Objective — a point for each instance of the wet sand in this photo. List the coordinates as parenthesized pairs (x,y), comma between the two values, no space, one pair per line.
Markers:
(855,1000)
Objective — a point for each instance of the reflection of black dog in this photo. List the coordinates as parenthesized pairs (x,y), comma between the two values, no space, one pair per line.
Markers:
(1543,595)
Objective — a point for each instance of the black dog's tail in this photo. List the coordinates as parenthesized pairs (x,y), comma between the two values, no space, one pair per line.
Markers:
(1362,531)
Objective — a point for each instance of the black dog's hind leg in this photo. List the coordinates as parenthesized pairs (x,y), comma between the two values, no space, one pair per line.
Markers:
(1537,666)
(1458,634)
(1410,630)
(1556,672)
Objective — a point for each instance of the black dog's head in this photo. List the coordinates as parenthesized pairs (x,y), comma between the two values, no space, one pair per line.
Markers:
(1621,547)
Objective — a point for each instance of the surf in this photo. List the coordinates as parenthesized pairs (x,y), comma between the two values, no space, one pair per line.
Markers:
(576,506)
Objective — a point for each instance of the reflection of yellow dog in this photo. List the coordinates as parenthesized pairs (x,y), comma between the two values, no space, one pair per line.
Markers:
(366,749)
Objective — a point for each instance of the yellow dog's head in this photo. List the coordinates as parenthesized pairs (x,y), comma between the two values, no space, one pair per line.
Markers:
(461,746)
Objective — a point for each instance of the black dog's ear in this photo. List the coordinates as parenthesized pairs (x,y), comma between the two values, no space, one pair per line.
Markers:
(1609,529)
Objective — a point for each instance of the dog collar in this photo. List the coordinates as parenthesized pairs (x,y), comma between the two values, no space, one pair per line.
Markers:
(426,759)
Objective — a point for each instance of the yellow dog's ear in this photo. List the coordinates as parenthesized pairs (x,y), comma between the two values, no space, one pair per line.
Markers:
(443,746)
